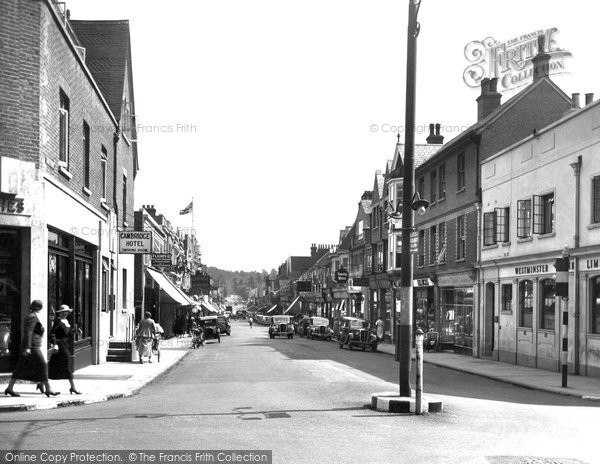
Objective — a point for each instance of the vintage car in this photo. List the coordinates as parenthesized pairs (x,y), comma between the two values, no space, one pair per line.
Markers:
(356,333)
(281,326)
(210,324)
(319,328)
(224,325)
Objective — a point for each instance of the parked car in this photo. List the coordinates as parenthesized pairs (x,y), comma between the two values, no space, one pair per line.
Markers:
(281,326)
(224,325)
(319,328)
(356,333)
(210,324)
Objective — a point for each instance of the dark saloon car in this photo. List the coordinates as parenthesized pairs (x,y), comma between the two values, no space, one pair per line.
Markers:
(319,328)
(210,324)
(356,333)
(281,326)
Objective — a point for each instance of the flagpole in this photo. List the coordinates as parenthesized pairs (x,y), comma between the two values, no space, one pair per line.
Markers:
(193,230)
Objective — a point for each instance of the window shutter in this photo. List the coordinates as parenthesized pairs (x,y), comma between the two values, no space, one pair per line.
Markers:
(538,214)
(523,218)
(489,228)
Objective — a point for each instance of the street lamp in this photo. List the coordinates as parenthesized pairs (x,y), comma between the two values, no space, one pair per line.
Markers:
(409,205)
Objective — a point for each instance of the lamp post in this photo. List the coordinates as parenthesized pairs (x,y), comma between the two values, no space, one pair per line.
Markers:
(406,274)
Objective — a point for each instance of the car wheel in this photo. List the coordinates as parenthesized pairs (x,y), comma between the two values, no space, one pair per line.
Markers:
(363,348)
(374,347)
(292,336)
(328,339)
(341,345)
(349,346)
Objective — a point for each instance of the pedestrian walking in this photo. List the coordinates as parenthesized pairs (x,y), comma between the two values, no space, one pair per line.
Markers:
(250,321)
(60,338)
(31,364)
(144,337)
(379,325)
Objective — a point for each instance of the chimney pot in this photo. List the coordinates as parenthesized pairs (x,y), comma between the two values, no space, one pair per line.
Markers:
(575,101)
(589,98)
(437,129)
(494,85)
(541,61)
(435,138)
(431,130)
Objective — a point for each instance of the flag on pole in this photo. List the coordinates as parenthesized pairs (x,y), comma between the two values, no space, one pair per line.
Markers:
(188,208)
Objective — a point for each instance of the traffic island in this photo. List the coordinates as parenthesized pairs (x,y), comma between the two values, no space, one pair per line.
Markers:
(392,402)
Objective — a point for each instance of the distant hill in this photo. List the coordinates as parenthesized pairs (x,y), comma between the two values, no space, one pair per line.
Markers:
(236,282)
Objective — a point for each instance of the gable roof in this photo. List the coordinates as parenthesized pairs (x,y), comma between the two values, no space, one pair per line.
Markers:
(107,55)
(378,186)
(421,154)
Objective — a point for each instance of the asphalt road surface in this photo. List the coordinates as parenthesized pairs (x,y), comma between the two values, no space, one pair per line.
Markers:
(306,401)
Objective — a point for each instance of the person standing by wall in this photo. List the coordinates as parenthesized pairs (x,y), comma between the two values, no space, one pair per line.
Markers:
(379,327)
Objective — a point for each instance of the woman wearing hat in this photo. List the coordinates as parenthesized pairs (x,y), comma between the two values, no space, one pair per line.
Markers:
(60,338)
(31,364)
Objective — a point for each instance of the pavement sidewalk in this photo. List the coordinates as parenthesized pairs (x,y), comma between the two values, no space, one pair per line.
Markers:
(528,377)
(97,383)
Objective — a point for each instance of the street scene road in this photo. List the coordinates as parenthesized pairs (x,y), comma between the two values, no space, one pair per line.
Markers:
(307,401)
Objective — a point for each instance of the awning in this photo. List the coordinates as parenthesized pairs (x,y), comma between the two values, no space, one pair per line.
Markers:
(294,308)
(272,309)
(171,290)
(209,307)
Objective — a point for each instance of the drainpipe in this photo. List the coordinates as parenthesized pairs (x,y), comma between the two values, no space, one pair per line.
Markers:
(577,172)
(477,268)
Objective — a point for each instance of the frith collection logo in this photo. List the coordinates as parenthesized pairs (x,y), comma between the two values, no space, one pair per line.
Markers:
(510,61)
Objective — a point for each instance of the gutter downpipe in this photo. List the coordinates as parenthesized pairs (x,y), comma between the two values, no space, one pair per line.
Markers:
(576,314)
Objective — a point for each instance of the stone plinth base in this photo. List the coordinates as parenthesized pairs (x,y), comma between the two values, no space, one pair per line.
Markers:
(392,402)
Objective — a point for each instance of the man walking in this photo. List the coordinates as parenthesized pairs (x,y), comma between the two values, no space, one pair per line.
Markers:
(379,325)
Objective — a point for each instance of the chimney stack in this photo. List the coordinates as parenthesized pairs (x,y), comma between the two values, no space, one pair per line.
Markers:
(589,98)
(313,250)
(435,138)
(489,99)
(541,61)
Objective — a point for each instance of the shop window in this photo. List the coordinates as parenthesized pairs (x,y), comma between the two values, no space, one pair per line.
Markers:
(369,254)
(526,303)
(507,296)
(595,305)
(596,200)
(442,182)
(547,316)
(63,129)
(460,172)
(543,214)
(380,255)
(10,296)
(524,218)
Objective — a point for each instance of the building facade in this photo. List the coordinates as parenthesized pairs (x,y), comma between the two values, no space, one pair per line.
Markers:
(68,162)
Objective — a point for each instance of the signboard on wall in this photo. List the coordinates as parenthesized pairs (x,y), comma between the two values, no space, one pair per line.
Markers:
(200,284)
(135,242)
(161,259)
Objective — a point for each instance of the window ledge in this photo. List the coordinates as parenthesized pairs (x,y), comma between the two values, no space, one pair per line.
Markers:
(547,331)
(594,226)
(490,247)
(524,329)
(505,244)
(525,239)
(441,199)
(549,235)
(104,205)
(462,190)
(506,311)
(461,260)
(65,172)
(87,191)
(125,225)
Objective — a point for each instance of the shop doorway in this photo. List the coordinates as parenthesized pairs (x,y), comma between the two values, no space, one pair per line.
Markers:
(488,321)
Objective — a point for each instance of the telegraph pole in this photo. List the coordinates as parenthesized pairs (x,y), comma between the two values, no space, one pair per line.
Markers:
(406,273)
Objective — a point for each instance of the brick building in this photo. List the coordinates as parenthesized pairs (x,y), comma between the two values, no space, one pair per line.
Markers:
(68,162)
(445,292)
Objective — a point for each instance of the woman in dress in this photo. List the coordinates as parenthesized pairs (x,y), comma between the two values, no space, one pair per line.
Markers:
(31,365)
(145,335)
(60,338)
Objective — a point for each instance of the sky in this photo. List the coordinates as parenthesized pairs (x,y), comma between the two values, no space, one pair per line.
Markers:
(274,115)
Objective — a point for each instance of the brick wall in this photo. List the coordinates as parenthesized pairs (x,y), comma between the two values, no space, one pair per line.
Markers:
(19,82)
(60,69)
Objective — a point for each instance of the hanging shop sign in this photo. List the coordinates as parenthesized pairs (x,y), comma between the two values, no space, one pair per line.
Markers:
(200,284)
(161,260)
(341,275)
(360,281)
(423,283)
(135,242)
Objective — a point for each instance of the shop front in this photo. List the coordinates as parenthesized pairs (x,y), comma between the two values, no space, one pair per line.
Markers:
(456,312)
